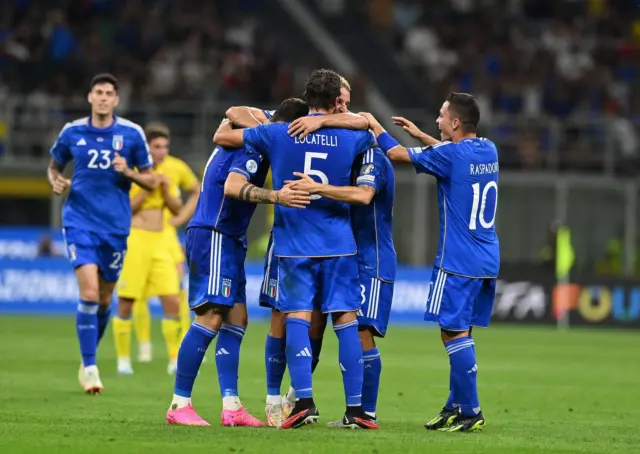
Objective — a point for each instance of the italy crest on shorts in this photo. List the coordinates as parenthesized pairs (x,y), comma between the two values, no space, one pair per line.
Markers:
(272,287)
(226,287)
(117,143)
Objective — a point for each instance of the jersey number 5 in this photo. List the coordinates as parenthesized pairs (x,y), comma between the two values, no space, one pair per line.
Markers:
(476,200)
(99,160)
(308,157)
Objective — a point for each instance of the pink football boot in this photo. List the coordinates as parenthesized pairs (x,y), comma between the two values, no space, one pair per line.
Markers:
(185,416)
(239,417)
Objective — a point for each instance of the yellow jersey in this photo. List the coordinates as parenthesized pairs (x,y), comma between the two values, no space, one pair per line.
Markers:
(181,179)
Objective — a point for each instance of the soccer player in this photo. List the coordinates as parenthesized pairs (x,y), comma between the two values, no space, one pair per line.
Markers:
(97,215)
(181,180)
(278,408)
(462,290)
(216,250)
(315,247)
(371,218)
(149,267)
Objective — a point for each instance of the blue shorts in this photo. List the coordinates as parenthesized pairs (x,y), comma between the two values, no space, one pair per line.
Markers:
(375,298)
(330,284)
(269,288)
(102,249)
(216,267)
(457,303)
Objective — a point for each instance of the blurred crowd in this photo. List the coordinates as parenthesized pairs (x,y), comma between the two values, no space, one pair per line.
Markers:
(160,49)
(573,60)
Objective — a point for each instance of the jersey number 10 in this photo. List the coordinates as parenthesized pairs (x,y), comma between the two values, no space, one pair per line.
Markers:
(476,200)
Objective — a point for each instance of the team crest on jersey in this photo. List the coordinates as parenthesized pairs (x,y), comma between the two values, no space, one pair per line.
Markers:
(226,287)
(273,284)
(252,166)
(117,143)
(366,169)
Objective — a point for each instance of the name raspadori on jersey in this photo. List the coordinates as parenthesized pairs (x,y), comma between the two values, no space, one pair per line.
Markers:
(318,139)
(482,169)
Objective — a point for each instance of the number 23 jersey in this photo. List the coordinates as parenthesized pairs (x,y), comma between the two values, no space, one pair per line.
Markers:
(467,174)
(98,200)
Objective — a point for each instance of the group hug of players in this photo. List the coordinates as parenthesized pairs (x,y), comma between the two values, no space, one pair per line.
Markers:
(330,252)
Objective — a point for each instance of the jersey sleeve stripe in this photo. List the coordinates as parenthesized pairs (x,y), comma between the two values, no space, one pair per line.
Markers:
(240,171)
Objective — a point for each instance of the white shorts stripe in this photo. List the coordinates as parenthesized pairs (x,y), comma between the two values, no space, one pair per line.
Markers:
(218,262)
(211,256)
(371,290)
(265,281)
(434,291)
(438,302)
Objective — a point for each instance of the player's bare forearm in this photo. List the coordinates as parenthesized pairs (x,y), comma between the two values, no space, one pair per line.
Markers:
(246,117)
(345,120)
(189,207)
(53,172)
(354,195)
(146,179)
(238,187)
(225,136)
(58,182)
(137,201)
(427,140)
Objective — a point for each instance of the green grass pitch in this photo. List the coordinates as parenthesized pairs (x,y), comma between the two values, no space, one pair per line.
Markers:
(541,391)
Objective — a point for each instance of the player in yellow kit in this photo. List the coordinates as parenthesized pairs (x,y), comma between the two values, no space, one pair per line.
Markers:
(149,267)
(182,180)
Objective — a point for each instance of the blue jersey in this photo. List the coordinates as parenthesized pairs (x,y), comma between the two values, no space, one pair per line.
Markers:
(467,174)
(216,211)
(98,199)
(323,229)
(372,224)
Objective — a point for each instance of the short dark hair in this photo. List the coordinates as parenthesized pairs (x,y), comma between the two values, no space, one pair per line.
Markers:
(465,107)
(322,88)
(153,134)
(289,110)
(104,78)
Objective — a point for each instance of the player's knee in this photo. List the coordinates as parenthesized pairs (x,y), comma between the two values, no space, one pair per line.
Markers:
(448,335)
(125,307)
(89,291)
(277,324)
(238,315)
(170,305)
(340,318)
(211,315)
(366,338)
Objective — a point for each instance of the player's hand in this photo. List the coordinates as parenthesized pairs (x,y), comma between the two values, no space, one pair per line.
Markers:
(164,181)
(304,126)
(373,123)
(408,126)
(119,164)
(176,221)
(305,183)
(292,197)
(60,185)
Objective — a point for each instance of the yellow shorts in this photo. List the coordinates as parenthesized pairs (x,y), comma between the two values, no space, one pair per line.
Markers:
(149,268)
(172,242)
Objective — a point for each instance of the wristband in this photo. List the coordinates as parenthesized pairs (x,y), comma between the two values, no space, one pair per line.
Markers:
(387,142)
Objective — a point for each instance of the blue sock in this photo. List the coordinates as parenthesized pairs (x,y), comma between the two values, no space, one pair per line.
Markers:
(351,364)
(298,353)
(316,347)
(462,358)
(87,329)
(104,312)
(451,401)
(371,379)
(276,363)
(228,358)
(192,351)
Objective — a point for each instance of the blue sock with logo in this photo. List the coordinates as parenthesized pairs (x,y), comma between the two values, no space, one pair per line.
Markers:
(351,365)
(371,379)
(275,361)
(228,358)
(464,371)
(316,348)
(87,329)
(298,353)
(192,351)
(104,312)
